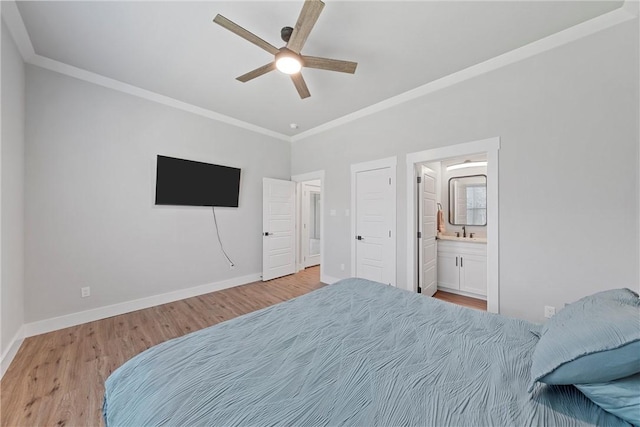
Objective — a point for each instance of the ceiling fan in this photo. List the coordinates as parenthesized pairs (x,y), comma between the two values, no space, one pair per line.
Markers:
(288,59)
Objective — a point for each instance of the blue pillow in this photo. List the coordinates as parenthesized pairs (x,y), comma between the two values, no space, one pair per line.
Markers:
(620,397)
(595,339)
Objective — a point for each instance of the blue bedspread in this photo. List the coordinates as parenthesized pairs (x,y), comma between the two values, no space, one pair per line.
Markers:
(353,353)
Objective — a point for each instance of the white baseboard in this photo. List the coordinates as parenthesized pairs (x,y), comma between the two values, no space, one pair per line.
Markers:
(329,280)
(11,351)
(73,319)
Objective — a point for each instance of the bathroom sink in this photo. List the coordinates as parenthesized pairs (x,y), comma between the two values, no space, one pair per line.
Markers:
(462,239)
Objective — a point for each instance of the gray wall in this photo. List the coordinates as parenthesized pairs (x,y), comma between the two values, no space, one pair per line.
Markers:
(90,185)
(12,192)
(568,123)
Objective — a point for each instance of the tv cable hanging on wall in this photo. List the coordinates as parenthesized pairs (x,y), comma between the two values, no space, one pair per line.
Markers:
(215,222)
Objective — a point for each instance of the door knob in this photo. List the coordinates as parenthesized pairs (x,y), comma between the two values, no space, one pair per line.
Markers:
(266,233)
(359,238)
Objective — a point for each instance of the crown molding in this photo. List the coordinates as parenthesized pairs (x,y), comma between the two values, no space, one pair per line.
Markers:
(119,86)
(15,24)
(592,26)
(12,18)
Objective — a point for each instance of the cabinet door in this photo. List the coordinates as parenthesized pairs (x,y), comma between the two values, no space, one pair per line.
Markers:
(448,270)
(473,274)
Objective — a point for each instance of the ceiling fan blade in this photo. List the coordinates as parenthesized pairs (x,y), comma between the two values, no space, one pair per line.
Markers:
(329,64)
(257,72)
(300,85)
(247,35)
(307,19)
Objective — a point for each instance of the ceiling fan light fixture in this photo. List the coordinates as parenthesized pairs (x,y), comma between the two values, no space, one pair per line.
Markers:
(288,62)
(288,59)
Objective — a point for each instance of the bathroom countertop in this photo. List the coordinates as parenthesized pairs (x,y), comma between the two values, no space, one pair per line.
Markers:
(462,239)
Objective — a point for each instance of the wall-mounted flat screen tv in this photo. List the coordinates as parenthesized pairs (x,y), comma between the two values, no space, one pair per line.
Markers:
(189,183)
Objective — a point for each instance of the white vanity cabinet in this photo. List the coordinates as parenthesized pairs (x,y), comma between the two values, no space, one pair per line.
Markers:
(462,267)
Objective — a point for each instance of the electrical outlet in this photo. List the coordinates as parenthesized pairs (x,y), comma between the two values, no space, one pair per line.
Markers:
(85,292)
(341,267)
(549,311)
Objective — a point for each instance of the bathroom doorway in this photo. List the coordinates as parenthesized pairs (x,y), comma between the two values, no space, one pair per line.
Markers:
(452,228)
(472,258)
(310,193)
(311,208)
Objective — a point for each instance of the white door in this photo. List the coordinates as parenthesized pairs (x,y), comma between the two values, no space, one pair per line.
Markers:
(278,224)
(428,253)
(375,258)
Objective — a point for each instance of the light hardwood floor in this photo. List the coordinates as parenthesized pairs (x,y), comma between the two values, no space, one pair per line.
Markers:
(478,304)
(58,378)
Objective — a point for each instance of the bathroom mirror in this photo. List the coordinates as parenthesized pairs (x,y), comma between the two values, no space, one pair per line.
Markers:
(468,200)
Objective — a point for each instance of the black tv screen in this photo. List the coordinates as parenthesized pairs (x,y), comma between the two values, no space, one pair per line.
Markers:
(189,183)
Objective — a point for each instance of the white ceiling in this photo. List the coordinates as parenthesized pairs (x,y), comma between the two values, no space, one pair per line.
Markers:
(174,48)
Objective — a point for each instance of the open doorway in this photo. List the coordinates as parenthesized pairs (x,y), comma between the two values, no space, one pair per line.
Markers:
(310,212)
(468,263)
(451,213)
(310,221)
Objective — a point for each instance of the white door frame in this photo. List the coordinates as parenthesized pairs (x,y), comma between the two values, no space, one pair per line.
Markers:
(489,146)
(310,176)
(389,162)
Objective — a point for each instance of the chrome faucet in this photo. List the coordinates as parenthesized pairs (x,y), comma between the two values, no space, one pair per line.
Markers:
(464,231)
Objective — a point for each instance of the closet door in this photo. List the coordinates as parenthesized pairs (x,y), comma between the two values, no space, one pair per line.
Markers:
(375,257)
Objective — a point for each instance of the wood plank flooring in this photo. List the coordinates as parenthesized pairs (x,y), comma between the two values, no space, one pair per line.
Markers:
(478,304)
(58,378)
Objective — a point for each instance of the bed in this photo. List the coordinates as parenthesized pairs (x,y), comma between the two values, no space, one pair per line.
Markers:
(352,353)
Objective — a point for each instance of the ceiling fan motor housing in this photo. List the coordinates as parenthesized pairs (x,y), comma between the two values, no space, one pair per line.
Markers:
(285,33)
